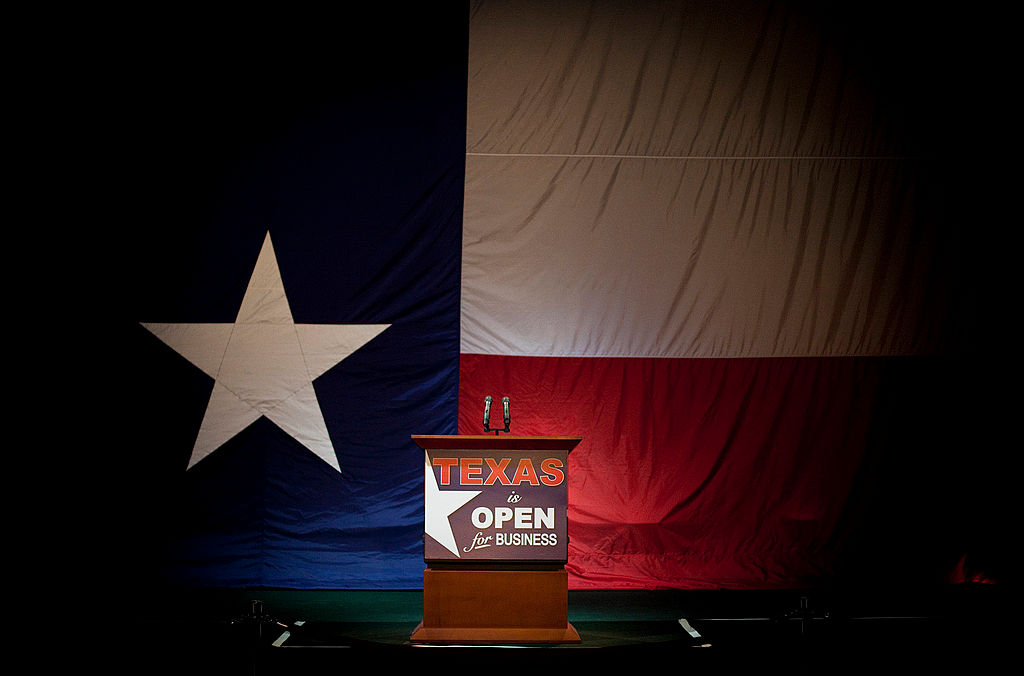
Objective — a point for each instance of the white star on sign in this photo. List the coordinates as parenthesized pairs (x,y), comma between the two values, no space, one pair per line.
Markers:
(264,364)
(438,506)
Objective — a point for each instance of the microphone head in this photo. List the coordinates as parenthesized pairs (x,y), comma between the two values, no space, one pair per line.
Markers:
(487,411)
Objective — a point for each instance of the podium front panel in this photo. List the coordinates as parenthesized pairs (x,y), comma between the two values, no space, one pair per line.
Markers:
(495,499)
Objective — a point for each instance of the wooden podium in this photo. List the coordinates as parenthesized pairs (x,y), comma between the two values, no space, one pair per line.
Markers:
(496,540)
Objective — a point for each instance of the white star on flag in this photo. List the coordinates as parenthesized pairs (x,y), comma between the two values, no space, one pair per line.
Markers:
(438,506)
(264,364)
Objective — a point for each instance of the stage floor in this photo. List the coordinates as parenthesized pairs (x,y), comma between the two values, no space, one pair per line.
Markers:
(268,631)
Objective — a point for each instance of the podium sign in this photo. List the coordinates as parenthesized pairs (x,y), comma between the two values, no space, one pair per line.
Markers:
(495,539)
(490,498)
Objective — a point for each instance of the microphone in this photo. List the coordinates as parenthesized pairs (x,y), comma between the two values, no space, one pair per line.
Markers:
(504,405)
(487,411)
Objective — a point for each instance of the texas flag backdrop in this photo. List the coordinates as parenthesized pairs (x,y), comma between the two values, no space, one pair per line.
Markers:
(708,242)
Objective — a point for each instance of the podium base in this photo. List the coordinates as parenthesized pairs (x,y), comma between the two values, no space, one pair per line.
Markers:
(492,635)
(495,606)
